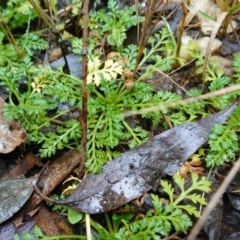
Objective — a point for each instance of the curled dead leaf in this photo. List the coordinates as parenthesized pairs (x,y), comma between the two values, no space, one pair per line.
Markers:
(11,133)
(191,167)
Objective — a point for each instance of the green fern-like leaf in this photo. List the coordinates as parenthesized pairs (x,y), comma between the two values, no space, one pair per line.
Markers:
(158,222)
(54,141)
(115,22)
(201,185)
(223,143)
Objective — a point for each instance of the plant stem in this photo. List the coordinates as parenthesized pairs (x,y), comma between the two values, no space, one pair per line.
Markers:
(41,13)
(12,90)
(110,229)
(84,89)
(88,226)
(9,35)
(95,130)
(131,132)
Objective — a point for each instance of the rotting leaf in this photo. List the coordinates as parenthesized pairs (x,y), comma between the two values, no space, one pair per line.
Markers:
(57,171)
(11,133)
(8,229)
(14,193)
(191,167)
(137,171)
(28,162)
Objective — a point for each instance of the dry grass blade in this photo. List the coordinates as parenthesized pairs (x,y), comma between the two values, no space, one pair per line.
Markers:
(4,27)
(193,11)
(220,92)
(41,13)
(213,36)
(147,27)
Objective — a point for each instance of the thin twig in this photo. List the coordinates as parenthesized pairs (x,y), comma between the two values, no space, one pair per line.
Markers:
(168,77)
(212,204)
(84,89)
(172,236)
(220,92)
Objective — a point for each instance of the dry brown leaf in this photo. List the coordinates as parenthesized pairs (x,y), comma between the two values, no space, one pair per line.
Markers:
(213,36)
(191,167)
(137,171)
(53,223)
(20,169)
(11,133)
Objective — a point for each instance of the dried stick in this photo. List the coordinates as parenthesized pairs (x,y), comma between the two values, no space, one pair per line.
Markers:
(220,92)
(212,204)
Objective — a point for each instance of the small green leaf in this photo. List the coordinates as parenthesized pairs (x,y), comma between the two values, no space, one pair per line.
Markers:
(74,216)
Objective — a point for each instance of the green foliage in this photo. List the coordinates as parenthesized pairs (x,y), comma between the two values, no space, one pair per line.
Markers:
(223,143)
(45,91)
(36,234)
(92,42)
(191,111)
(56,207)
(130,52)
(111,24)
(222,101)
(32,42)
(159,43)
(37,93)
(213,69)
(38,107)
(43,101)
(157,222)
(114,23)
(236,64)
(165,97)
(29,43)
(17,13)
(72,215)
(107,128)
(163,218)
